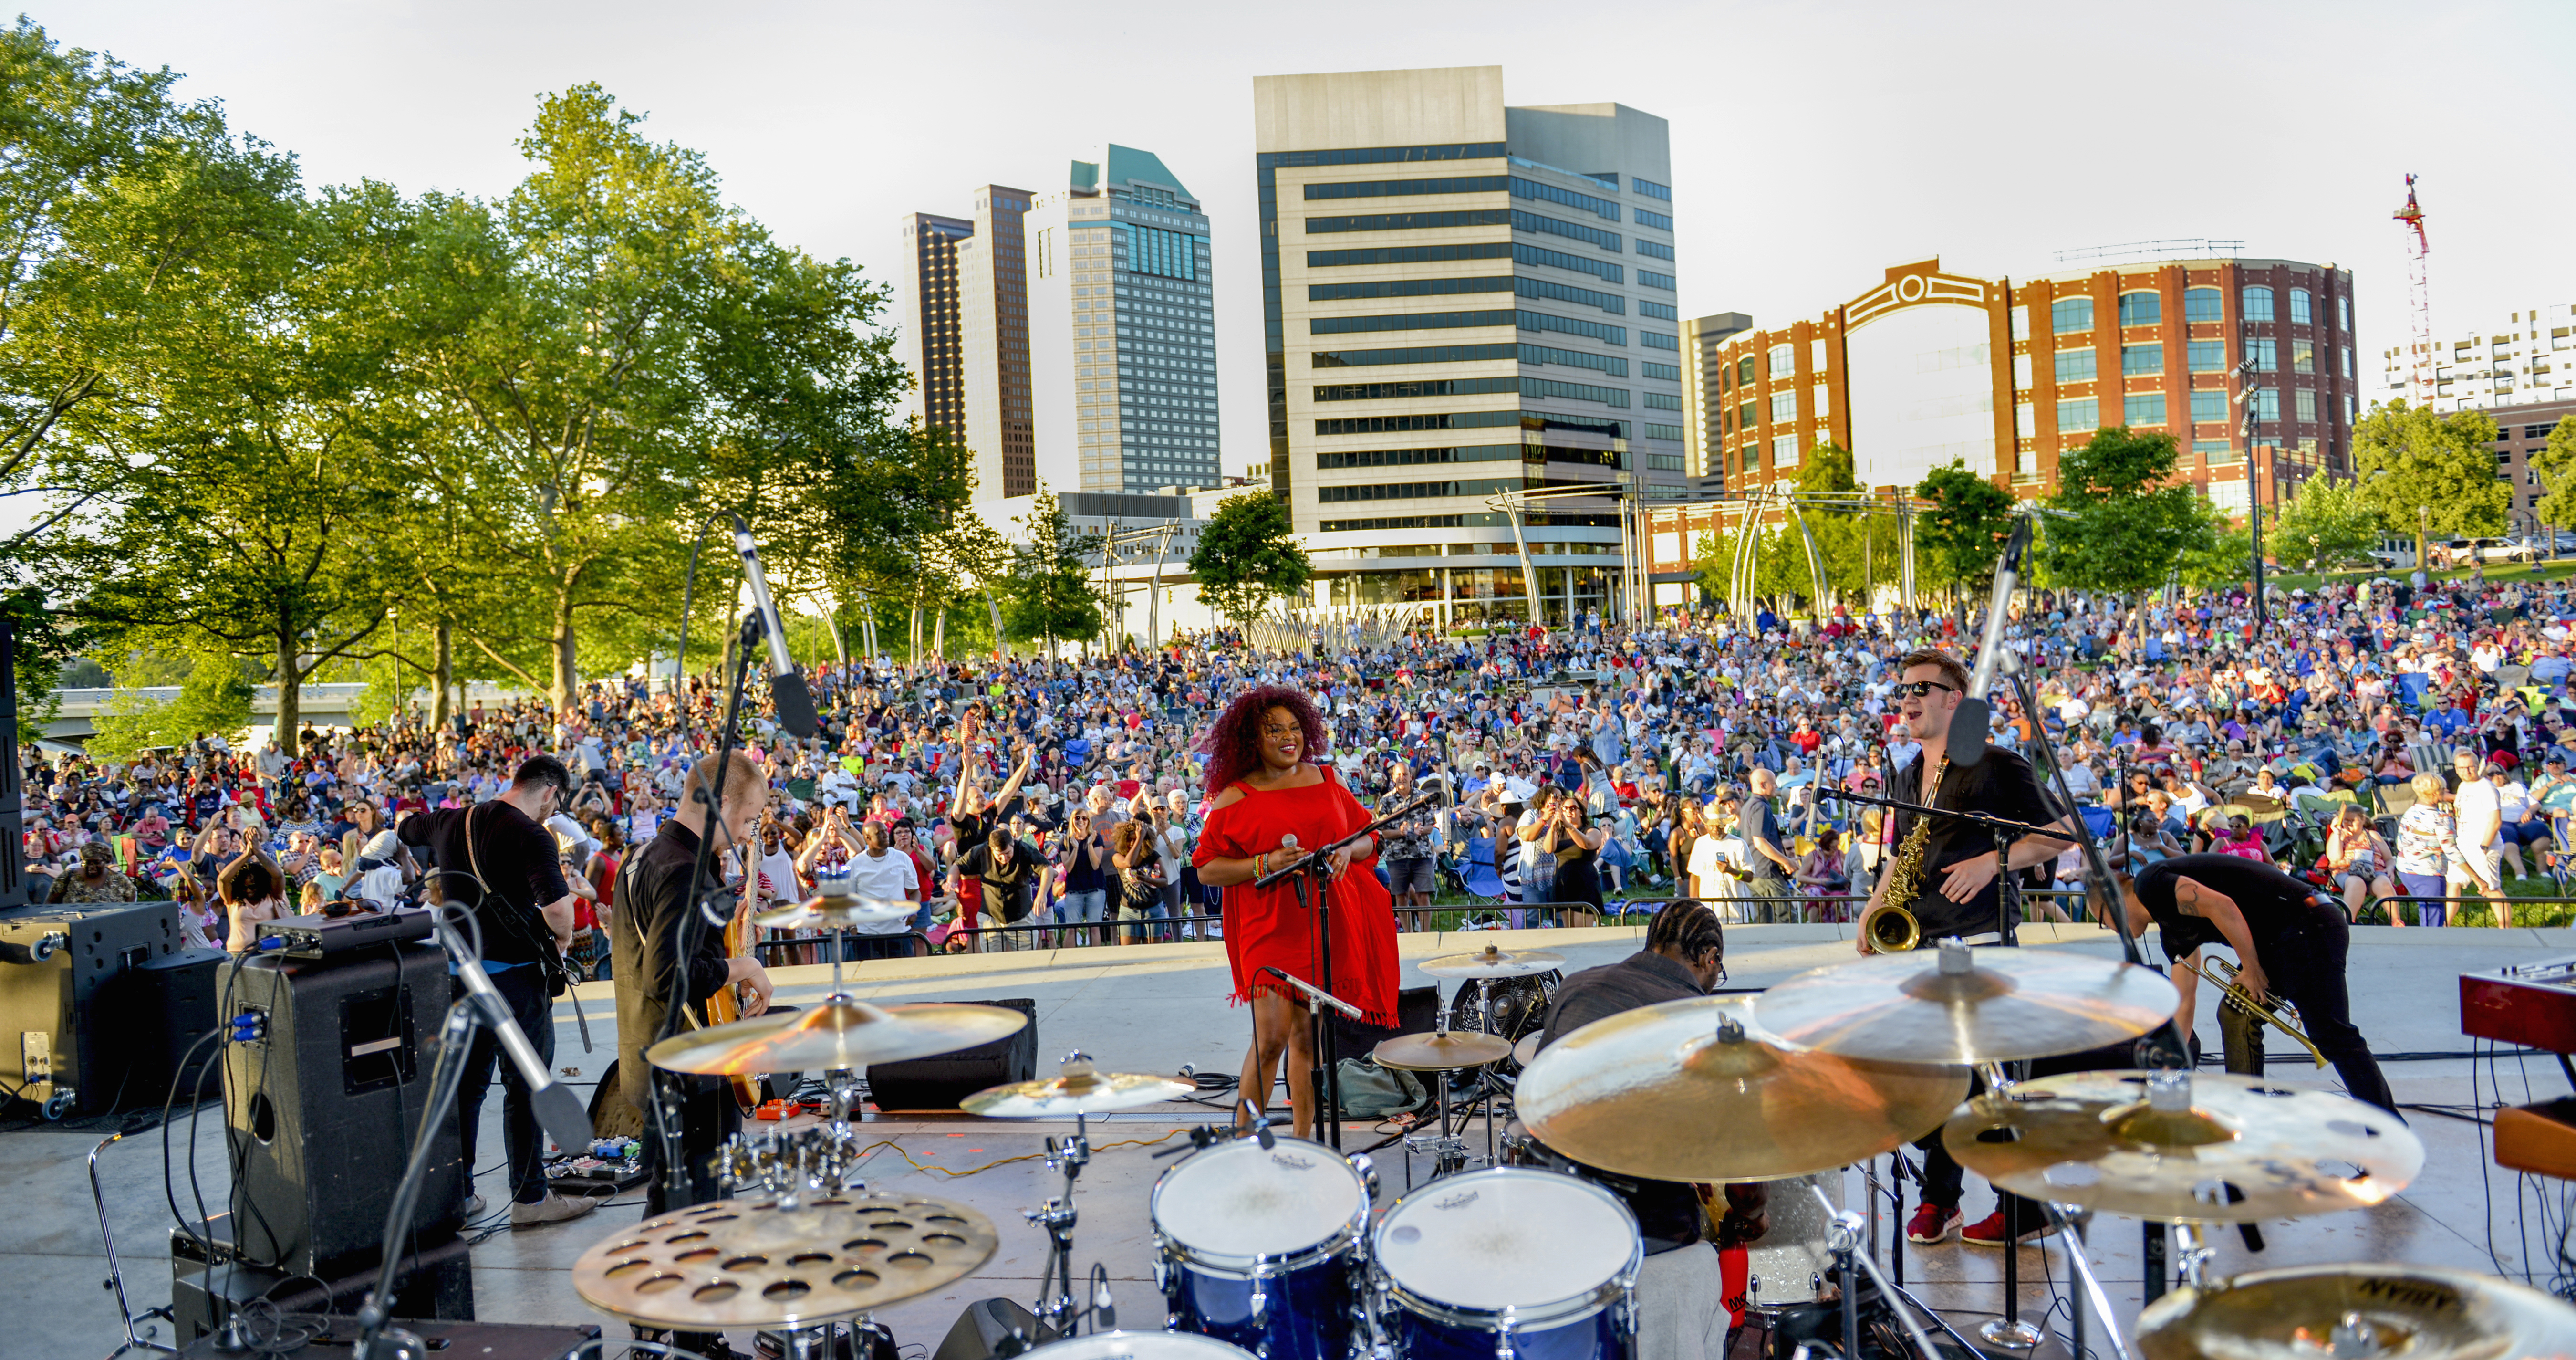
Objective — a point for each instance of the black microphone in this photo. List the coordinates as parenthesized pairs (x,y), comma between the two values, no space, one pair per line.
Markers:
(786,683)
(1970,720)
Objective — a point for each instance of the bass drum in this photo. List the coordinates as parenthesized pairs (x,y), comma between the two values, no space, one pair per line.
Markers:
(1260,1247)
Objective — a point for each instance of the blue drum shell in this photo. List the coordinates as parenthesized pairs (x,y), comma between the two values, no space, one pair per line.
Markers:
(1306,1312)
(1595,1336)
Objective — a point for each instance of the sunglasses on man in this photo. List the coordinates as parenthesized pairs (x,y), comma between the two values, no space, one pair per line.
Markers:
(1923,688)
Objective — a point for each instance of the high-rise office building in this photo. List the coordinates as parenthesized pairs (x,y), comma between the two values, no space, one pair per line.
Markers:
(1124,328)
(993,311)
(927,332)
(1463,301)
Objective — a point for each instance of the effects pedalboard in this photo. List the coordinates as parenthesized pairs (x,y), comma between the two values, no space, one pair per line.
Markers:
(326,937)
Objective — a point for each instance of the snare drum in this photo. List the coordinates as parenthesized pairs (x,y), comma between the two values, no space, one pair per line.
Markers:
(1507,1263)
(1139,1346)
(1260,1247)
(1786,1265)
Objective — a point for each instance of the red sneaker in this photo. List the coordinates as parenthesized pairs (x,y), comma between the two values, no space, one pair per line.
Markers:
(1932,1224)
(1989,1232)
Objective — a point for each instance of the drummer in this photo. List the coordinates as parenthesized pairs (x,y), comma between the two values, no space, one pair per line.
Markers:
(1681,1305)
(2290,941)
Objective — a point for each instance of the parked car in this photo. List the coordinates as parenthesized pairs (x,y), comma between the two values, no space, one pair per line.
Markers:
(2460,551)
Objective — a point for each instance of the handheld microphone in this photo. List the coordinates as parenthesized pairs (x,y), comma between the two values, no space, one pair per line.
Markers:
(1969,721)
(786,683)
(565,1117)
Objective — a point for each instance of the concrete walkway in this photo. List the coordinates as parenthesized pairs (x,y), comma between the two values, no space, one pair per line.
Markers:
(1157,1008)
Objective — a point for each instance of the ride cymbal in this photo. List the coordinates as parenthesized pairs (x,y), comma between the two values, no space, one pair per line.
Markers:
(835,1032)
(1952,1004)
(2303,1312)
(1440,1052)
(2178,1147)
(1078,1090)
(747,1263)
(829,913)
(1493,962)
(1693,1091)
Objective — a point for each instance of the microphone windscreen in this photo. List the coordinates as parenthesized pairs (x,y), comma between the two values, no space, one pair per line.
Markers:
(1968,732)
(795,704)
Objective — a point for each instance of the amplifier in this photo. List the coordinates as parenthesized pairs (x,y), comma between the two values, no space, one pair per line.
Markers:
(328,937)
(73,1030)
(322,1106)
(939,1083)
(2531,1004)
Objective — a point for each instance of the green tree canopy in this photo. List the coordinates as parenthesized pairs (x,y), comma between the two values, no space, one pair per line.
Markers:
(2130,523)
(2428,474)
(2325,522)
(2555,461)
(1957,538)
(1248,556)
(1049,596)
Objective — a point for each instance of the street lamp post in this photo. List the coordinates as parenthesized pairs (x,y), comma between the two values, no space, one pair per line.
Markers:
(2246,394)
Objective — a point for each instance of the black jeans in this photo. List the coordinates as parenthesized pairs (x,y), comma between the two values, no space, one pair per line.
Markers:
(2305,967)
(523,989)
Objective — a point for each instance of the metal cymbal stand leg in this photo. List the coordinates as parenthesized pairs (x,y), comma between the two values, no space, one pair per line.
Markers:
(1056,1309)
(2007,1331)
(1485,1074)
(1448,1151)
(2063,1217)
(1845,1246)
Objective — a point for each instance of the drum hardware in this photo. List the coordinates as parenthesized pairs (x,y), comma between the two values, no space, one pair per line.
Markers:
(1989,1005)
(1447,1151)
(1078,1089)
(1844,1243)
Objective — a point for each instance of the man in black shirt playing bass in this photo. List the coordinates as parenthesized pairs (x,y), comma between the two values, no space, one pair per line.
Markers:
(498,861)
(2290,941)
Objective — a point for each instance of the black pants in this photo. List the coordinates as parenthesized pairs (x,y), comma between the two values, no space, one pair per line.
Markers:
(708,1116)
(2305,967)
(523,989)
(1942,1174)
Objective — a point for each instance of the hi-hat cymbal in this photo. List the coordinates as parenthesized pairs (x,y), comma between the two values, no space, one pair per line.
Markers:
(746,1263)
(2211,1148)
(1953,1004)
(2421,1312)
(1079,1090)
(1439,1052)
(1493,962)
(1694,1091)
(827,913)
(835,1032)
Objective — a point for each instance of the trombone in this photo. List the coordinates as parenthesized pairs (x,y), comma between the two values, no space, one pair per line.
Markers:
(2222,974)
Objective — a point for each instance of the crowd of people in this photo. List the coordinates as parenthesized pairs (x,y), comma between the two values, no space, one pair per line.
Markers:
(2406,743)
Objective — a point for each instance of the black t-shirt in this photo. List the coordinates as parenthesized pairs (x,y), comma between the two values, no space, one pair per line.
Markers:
(2001,785)
(1007,878)
(2272,902)
(519,861)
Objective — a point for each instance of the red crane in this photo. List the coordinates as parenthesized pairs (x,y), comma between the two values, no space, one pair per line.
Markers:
(2419,301)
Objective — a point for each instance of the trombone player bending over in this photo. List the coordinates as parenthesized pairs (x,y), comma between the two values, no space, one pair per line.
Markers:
(1942,870)
(2290,941)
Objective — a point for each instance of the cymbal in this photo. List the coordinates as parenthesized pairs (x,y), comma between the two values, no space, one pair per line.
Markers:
(1438,1052)
(835,1032)
(1493,962)
(1079,1090)
(2207,1147)
(1526,1051)
(1959,1005)
(746,1263)
(2423,1312)
(827,913)
(1694,1091)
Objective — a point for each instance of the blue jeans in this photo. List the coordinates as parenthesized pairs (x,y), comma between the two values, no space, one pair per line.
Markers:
(2433,913)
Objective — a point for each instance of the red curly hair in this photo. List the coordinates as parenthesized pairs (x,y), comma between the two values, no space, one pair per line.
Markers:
(1233,744)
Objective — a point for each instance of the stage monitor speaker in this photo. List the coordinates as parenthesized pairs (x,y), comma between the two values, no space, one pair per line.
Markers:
(322,1109)
(71,997)
(939,1083)
(436,1280)
(1417,1011)
(987,1323)
(175,997)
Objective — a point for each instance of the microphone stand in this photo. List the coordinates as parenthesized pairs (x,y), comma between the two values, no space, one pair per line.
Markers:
(1316,867)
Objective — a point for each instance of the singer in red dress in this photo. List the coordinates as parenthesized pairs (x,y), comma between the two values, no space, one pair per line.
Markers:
(1262,788)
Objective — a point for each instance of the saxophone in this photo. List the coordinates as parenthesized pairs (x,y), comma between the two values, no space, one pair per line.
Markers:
(1889,927)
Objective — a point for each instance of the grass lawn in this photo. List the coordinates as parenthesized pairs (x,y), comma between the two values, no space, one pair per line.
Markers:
(2497,572)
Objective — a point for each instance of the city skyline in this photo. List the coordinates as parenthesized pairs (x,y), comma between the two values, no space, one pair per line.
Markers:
(1865,134)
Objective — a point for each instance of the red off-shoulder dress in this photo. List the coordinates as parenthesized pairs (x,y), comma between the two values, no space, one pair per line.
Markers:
(1264,927)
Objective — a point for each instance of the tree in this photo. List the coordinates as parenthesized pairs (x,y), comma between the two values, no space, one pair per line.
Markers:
(1958,537)
(1049,596)
(2428,474)
(215,697)
(1248,556)
(2221,555)
(2555,461)
(2324,522)
(2130,522)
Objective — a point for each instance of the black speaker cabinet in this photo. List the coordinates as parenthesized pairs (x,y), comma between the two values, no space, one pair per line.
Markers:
(939,1083)
(71,1024)
(176,996)
(322,1109)
(435,1280)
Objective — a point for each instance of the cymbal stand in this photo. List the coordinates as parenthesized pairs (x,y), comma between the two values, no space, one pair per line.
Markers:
(1448,1151)
(2063,1218)
(1844,1243)
(2008,1331)
(1056,1310)
(1485,1076)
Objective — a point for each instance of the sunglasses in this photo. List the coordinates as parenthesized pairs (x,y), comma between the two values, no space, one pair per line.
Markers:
(1922,688)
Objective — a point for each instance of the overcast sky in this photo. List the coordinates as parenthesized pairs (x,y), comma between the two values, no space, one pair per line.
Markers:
(1813,143)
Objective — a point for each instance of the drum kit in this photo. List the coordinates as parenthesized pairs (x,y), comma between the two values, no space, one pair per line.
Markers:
(1275,1247)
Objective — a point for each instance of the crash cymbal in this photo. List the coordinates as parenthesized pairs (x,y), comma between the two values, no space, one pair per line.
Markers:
(1952,1004)
(1526,1051)
(835,1032)
(2177,1146)
(2296,1313)
(747,1263)
(1078,1090)
(1439,1052)
(827,913)
(1493,962)
(1695,1091)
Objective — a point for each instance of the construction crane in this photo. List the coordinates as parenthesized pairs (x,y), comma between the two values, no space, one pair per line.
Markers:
(2419,300)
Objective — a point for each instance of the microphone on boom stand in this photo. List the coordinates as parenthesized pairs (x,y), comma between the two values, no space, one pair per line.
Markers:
(1971,719)
(786,683)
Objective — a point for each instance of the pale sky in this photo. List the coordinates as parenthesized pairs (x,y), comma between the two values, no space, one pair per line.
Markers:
(1813,143)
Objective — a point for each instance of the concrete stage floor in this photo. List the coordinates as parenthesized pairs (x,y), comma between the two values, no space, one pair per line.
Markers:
(1155,1008)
